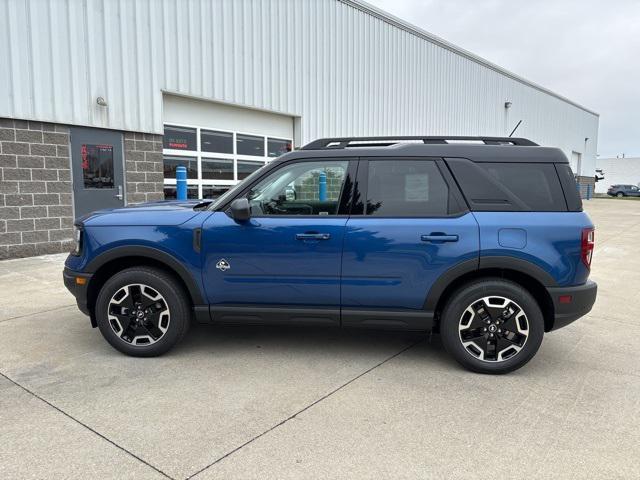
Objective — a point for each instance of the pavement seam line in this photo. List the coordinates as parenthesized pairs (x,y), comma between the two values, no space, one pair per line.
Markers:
(38,313)
(87,427)
(291,417)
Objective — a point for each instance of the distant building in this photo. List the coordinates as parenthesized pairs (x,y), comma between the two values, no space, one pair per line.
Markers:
(624,171)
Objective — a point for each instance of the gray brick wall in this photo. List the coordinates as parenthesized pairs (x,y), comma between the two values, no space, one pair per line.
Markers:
(143,165)
(36,213)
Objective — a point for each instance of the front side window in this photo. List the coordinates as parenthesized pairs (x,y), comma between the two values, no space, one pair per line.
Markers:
(304,188)
(406,188)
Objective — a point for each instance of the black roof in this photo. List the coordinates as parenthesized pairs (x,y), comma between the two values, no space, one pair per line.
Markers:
(478,149)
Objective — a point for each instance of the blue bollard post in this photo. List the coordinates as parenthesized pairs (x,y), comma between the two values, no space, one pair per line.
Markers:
(181,183)
(322,187)
(588,192)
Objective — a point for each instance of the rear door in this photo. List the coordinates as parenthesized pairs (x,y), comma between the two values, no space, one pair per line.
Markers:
(408,228)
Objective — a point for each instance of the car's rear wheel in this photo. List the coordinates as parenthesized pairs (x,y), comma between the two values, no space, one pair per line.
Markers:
(492,326)
(142,311)
(619,194)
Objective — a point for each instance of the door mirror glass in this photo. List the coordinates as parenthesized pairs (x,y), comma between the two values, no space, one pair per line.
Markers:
(240,210)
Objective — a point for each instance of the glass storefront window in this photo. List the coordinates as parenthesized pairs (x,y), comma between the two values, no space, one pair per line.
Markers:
(214,191)
(173,161)
(179,138)
(170,192)
(277,147)
(213,141)
(250,145)
(217,169)
(247,167)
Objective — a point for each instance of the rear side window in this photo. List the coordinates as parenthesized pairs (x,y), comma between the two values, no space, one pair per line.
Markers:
(570,188)
(520,187)
(536,184)
(406,188)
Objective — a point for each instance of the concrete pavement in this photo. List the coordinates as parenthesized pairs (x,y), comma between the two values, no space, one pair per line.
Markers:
(310,403)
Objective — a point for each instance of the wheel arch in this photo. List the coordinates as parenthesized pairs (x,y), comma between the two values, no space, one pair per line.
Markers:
(113,261)
(524,273)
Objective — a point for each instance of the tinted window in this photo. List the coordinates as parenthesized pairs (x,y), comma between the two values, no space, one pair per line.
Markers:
(516,187)
(250,145)
(179,138)
(246,168)
(406,188)
(535,184)
(277,147)
(304,188)
(569,187)
(171,162)
(219,142)
(217,168)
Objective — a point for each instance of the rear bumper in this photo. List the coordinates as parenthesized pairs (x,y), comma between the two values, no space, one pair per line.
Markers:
(576,302)
(77,290)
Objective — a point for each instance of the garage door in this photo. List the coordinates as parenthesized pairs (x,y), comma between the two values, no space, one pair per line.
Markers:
(219,144)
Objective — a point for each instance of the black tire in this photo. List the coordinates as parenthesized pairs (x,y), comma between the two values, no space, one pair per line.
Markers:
(619,194)
(174,302)
(454,326)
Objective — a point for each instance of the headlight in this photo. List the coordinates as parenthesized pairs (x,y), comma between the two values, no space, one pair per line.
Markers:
(77,240)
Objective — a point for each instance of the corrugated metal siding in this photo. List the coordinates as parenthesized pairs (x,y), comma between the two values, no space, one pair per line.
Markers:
(342,69)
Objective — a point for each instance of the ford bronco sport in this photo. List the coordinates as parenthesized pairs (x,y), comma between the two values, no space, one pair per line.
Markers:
(482,239)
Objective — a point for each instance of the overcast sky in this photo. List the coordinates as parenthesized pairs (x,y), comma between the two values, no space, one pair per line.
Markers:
(585,50)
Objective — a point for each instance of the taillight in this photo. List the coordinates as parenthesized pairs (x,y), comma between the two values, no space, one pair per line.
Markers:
(586,250)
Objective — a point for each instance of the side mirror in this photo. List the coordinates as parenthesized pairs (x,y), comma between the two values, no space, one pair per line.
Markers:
(240,210)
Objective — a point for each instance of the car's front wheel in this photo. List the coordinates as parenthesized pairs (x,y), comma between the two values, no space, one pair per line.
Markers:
(492,326)
(142,311)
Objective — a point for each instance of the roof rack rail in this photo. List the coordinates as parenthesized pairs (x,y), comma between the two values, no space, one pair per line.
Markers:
(344,142)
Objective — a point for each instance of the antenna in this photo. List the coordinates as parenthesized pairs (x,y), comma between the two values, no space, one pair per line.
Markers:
(514,130)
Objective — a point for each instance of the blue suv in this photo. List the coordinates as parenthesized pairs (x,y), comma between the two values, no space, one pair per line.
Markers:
(481,239)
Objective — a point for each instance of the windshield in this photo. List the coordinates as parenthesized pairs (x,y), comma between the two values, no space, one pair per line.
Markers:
(222,199)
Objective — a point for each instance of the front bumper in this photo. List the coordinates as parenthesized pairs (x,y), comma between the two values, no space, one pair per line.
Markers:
(571,303)
(78,284)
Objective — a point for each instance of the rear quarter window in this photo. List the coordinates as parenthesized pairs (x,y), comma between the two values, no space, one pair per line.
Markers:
(505,186)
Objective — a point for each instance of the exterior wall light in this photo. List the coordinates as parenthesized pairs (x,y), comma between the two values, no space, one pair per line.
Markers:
(102,102)
(507,104)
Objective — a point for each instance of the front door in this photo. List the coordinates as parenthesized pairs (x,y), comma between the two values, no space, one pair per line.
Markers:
(97,164)
(283,265)
(411,229)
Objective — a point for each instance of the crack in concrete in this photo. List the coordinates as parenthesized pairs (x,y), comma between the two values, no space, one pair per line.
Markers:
(59,410)
(291,417)
(38,313)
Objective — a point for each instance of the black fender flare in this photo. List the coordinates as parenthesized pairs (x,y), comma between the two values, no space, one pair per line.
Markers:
(154,254)
(484,263)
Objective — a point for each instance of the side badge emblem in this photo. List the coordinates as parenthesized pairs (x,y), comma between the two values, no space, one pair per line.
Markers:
(223,265)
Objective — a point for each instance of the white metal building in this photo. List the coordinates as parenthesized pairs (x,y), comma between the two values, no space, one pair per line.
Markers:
(618,171)
(227,84)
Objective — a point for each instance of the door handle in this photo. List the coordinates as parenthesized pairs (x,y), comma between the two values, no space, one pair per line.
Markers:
(437,237)
(313,236)
(119,194)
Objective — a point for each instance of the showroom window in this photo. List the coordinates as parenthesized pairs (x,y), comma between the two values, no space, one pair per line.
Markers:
(215,159)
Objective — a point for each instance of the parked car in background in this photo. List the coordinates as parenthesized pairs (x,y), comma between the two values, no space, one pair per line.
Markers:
(623,191)
(482,239)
